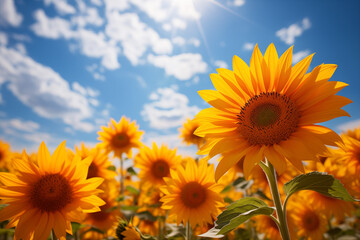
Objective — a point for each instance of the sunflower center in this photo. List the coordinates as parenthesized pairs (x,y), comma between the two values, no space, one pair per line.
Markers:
(51,193)
(193,194)
(160,169)
(268,118)
(311,221)
(120,140)
(93,171)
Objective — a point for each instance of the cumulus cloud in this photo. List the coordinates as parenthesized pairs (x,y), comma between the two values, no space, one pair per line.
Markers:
(167,109)
(61,6)
(183,66)
(248,46)
(8,14)
(220,64)
(289,34)
(135,36)
(43,90)
(3,39)
(298,56)
(54,28)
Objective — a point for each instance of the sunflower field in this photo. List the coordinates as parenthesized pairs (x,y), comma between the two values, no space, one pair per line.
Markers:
(279,174)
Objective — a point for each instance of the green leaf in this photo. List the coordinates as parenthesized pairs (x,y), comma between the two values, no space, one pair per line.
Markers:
(131,171)
(226,189)
(320,182)
(132,190)
(238,213)
(111,168)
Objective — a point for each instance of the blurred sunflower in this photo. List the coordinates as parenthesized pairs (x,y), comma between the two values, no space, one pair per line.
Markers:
(5,155)
(309,221)
(191,194)
(264,224)
(100,164)
(269,110)
(48,195)
(329,206)
(109,213)
(155,164)
(187,133)
(126,231)
(120,137)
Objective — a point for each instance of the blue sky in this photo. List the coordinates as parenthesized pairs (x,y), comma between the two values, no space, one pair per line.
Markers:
(68,66)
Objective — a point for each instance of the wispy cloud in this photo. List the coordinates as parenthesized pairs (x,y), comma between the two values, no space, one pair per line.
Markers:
(220,64)
(183,66)
(8,14)
(167,109)
(289,34)
(248,46)
(298,56)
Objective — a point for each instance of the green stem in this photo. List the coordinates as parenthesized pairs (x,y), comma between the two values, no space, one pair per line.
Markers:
(281,214)
(188,231)
(122,188)
(53,237)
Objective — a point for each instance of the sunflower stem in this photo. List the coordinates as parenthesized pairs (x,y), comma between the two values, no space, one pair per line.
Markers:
(188,231)
(281,214)
(53,237)
(122,187)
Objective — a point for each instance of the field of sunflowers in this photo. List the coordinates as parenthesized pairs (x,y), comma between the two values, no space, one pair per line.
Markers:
(279,174)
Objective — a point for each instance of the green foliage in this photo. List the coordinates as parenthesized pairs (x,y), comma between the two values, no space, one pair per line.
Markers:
(320,182)
(236,214)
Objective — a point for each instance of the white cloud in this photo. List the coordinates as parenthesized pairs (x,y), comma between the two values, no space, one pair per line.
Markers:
(298,56)
(84,91)
(3,39)
(116,5)
(94,70)
(220,64)
(96,2)
(238,3)
(194,41)
(167,109)
(248,46)
(54,28)
(135,36)
(8,14)
(89,16)
(183,66)
(179,41)
(289,34)
(21,48)
(61,6)
(350,125)
(44,90)
(94,45)
(18,124)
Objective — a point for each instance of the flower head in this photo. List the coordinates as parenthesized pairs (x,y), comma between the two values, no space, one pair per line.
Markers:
(191,194)
(48,195)
(187,133)
(270,110)
(120,137)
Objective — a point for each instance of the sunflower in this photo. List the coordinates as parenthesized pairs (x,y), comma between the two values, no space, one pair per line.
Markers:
(120,137)
(155,164)
(329,206)
(5,156)
(191,194)
(107,216)
(48,195)
(269,110)
(100,164)
(126,231)
(187,133)
(309,221)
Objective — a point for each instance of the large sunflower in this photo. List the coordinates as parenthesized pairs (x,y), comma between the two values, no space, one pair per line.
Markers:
(120,137)
(48,195)
(191,194)
(5,156)
(155,164)
(269,110)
